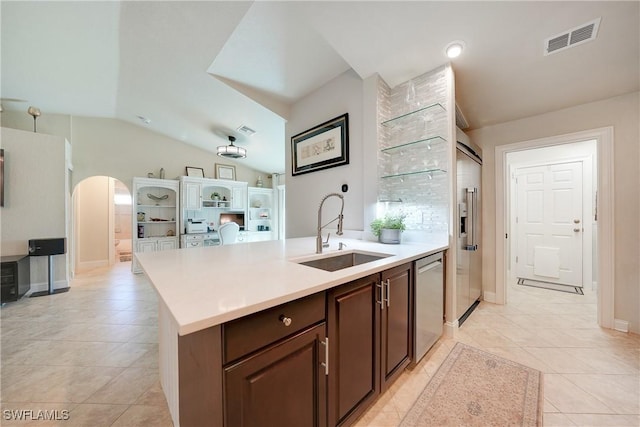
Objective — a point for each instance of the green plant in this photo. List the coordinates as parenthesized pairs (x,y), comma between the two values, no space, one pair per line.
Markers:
(393,222)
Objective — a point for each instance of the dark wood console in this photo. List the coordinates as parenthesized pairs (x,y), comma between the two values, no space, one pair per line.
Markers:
(16,277)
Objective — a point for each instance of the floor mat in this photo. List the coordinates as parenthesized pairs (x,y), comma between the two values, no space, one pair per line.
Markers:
(476,388)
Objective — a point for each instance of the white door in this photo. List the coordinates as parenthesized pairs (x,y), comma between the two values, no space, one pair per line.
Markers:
(549,223)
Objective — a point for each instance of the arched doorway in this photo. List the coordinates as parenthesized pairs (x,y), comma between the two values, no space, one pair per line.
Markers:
(102,223)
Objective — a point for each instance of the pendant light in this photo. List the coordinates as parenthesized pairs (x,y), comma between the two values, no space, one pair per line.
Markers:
(231,150)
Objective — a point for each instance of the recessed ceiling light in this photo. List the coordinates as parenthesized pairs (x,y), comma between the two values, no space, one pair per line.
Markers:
(454,49)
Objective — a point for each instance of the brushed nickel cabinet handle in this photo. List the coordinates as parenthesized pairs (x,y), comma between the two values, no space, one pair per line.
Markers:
(325,343)
(382,300)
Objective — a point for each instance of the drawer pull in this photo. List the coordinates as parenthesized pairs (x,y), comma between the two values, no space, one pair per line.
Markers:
(285,320)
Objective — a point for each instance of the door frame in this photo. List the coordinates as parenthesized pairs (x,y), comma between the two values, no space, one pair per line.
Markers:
(587,212)
(605,210)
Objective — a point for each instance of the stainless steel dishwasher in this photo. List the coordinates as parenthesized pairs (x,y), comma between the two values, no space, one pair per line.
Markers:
(429,299)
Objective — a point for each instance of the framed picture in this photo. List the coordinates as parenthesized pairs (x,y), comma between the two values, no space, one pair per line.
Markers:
(324,146)
(196,172)
(225,172)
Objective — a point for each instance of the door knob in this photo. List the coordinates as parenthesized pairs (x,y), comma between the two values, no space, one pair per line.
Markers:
(576,230)
(576,221)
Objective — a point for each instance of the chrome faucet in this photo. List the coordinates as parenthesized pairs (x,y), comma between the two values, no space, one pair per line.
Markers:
(319,243)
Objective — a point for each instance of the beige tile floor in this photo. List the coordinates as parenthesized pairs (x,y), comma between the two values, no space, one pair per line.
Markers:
(591,375)
(93,352)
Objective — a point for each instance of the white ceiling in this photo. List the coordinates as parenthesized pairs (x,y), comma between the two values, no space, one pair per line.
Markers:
(199,70)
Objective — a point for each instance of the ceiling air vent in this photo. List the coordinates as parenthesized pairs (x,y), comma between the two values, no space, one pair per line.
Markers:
(573,37)
(246,130)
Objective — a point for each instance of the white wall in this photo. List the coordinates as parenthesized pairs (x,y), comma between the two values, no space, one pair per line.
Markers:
(36,199)
(344,94)
(92,204)
(112,147)
(623,114)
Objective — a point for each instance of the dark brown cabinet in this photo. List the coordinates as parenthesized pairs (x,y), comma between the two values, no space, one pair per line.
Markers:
(369,328)
(275,366)
(283,385)
(318,361)
(353,318)
(16,278)
(396,324)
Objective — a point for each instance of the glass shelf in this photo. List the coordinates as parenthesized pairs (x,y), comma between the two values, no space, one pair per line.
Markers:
(426,171)
(435,108)
(426,141)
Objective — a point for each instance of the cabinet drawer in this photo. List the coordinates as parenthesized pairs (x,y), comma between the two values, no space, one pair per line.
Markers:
(193,237)
(242,336)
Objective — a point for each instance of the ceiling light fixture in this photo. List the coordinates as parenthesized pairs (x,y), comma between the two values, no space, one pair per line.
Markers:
(231,151)
(454,49)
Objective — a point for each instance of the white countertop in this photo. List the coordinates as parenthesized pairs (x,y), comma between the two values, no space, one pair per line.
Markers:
(207,286)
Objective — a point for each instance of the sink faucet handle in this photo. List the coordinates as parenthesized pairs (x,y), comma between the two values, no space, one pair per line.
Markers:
(341,245)
(325,244)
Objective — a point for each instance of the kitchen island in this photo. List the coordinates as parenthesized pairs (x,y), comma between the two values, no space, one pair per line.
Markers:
(212,299)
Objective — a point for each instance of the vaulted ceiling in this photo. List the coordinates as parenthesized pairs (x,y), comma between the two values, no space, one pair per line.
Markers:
(199,70)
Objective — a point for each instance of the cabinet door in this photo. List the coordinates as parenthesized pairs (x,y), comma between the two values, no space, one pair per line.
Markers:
(396,325)
(192,197)
(283,385)
(166,244)
(353,318)
(147,246)
(238,198)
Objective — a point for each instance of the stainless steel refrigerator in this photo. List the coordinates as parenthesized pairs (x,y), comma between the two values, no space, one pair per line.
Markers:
(469,254)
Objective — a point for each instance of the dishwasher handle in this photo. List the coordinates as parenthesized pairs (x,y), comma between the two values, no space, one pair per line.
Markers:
(430,266)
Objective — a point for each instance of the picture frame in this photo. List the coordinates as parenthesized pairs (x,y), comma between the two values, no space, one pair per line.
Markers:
(321,147)
(225,172)
(195,172)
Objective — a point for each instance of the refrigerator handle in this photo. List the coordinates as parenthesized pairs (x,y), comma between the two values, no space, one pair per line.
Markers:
(472,198)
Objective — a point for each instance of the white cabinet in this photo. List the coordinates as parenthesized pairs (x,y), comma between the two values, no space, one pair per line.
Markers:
(155,216)
(205,199)
(239,197)
(261,214)
(191,195)
(167,244)
(192,241)
(146,246)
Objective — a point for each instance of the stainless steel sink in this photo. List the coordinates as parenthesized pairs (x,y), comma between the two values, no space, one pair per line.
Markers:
(338,262)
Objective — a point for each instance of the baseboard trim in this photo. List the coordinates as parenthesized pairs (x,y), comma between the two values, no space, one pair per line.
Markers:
(450,329)
(44,286)
(620,325)
(489,297)
(88,265)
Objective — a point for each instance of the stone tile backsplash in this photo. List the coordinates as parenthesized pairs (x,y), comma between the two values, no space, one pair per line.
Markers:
(420,141)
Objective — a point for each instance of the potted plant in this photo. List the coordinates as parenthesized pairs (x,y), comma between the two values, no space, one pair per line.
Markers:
(389,228)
